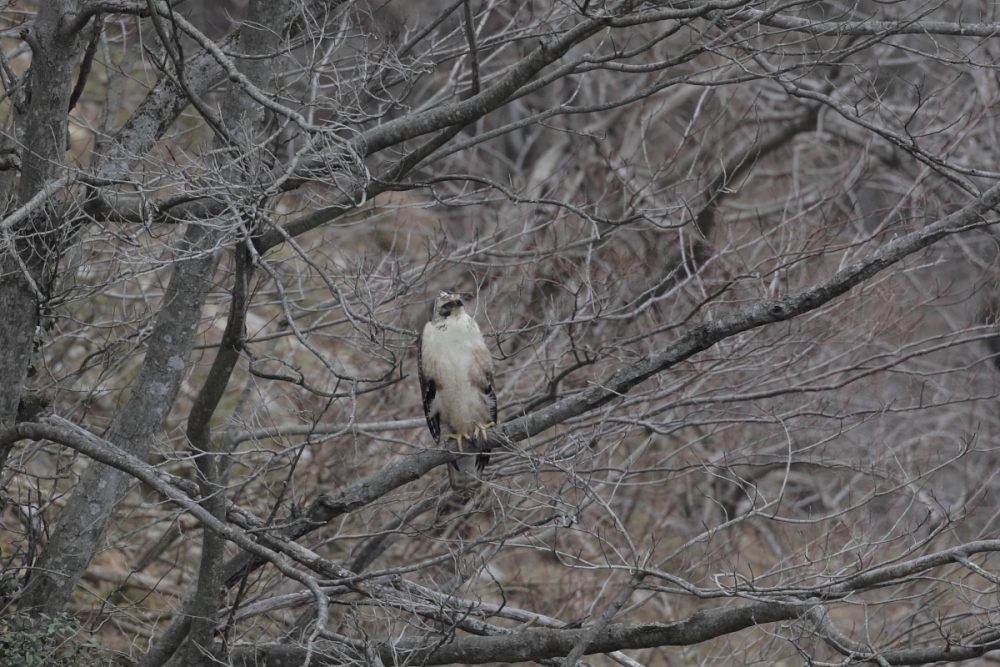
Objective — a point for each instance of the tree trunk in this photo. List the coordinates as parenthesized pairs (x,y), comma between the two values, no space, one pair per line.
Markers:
(27,251)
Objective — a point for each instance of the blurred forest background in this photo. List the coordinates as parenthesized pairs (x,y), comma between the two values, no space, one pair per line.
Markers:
(733,258)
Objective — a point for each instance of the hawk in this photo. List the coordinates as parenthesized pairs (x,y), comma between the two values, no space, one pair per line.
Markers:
(456,382)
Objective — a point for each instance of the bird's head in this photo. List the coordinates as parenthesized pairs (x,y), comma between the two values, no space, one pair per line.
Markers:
(447,304)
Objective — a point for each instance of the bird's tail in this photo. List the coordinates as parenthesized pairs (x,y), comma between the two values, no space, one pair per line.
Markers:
(463,475)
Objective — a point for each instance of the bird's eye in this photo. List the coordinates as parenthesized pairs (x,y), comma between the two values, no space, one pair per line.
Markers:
(488,390)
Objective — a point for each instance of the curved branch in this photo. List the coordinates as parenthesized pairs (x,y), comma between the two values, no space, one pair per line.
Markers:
(64,432)
(541,644)
(873,28)
(328,507)
(766,311)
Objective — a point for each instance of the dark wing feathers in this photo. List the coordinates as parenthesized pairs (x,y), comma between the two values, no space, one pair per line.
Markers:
(433,416)
(428,390)
(491,397)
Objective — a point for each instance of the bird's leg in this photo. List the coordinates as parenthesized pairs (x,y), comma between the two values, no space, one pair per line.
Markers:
(480,430)
(457,437)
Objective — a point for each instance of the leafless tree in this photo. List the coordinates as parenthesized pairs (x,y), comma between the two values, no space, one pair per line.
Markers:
(735,261)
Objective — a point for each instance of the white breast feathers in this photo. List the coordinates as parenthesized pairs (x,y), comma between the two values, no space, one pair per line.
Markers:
(455,356)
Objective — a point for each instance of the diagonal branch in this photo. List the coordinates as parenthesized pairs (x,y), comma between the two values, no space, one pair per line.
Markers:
(541,644)
(330,506)
(64,432)
(868,27)
(766,311)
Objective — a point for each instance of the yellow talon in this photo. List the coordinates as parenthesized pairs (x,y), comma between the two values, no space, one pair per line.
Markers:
(457,437)
(478,432)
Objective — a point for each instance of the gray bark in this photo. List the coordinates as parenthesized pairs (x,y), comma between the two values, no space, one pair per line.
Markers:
(547,52)
(57,429)
(706,335)
(242,116)
(45,135)
(527,644)
(54,52)
(95,500)
(543,644)
(326,508)
(17,300)
(157,112)
(535,645)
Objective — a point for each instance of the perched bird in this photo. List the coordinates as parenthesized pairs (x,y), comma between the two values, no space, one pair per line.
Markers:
(456,382)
